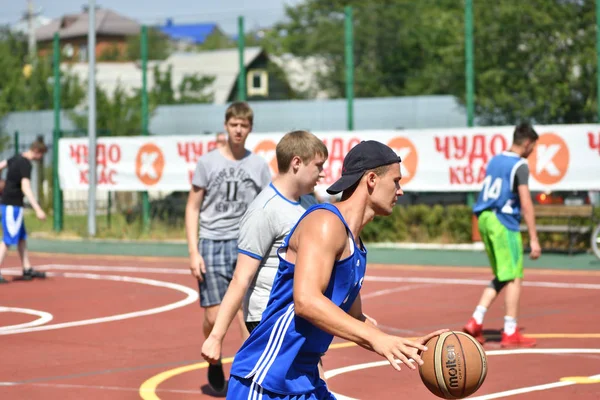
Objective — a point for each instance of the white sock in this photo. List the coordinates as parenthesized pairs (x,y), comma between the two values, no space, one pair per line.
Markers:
(479,314)
(510,325)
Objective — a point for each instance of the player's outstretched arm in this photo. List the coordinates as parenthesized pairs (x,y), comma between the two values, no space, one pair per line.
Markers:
(357,312)
(245,271)
(192,213)
(3,164)
(26,187)
(319,241)
(529,217)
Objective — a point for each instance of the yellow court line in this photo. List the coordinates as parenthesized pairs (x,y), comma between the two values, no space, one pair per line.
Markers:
(148,388)
(564,335)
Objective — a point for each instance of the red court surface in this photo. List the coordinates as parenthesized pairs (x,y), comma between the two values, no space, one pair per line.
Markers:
(103,327)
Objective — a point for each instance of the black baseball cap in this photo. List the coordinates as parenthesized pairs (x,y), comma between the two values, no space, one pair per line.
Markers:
(364,156)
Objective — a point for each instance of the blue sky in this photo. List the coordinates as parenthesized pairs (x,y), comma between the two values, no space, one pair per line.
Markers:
(224,12)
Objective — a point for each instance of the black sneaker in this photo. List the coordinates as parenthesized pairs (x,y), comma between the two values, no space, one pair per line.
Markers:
(216,377)
(2,280)
(32,273)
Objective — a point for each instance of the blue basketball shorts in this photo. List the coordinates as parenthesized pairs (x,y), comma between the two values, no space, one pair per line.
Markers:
(13,225)
(242,389)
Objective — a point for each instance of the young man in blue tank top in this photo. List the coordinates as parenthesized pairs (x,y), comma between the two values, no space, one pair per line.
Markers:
(316,292)
(504,195)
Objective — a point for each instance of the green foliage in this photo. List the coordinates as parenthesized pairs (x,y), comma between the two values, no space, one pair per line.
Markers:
(112,53)
(533,59)
(120,113)
(193,88)
(159,46)
(217,40)
(20,91)
(422,223)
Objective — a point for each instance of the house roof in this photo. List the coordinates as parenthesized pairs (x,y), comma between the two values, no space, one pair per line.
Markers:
(222,64)
(195,33)
(108,23)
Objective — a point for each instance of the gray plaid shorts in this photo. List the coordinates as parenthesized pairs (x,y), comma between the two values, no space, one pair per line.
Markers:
(220,257)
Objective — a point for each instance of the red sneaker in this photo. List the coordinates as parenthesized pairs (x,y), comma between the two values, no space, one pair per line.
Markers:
(474,329)
(516,340)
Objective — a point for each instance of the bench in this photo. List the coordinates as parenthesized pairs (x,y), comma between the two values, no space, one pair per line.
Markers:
(571,217)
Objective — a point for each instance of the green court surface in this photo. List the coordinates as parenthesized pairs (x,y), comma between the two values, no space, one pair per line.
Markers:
(467,258)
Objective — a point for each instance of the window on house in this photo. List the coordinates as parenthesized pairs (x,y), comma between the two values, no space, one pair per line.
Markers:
(83,53)
(257,82)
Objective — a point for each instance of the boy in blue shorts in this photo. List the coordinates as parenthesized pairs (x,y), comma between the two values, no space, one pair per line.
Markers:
(316,291)
(17,186)
(504,194)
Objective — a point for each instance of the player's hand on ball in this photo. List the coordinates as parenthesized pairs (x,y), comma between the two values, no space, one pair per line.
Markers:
(395,348)
(425,339)
(197,266)
(211,350)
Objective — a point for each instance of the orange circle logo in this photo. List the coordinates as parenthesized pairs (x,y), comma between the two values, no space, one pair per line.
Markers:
(266,149)
(149,164)
(407,152)
(549,160)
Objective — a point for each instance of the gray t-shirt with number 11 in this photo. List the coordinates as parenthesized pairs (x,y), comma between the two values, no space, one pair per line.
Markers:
(230,186)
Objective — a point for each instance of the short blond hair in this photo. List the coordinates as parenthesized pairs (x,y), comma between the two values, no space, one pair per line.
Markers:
(301,144)
(239,109)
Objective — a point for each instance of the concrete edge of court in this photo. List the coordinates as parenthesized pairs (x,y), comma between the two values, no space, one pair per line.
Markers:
(468,255)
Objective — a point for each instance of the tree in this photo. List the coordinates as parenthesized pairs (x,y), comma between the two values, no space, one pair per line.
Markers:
(533,60)
(193,88)
(26,86)
(159,46)
(120,113)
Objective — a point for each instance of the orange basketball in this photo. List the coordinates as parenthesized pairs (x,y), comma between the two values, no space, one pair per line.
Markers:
(455,365)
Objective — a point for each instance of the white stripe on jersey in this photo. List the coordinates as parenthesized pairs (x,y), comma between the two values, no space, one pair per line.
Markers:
(275,333)
(263,373)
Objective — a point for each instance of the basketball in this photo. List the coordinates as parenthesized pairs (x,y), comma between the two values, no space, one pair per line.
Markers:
(455,365)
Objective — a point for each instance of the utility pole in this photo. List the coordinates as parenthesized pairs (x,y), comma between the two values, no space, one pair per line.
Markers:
(29,16)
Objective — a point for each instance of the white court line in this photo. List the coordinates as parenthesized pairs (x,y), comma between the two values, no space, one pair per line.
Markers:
(357,367)
(43,318)
(96,387)
(393,290)
(528,389)
(192,296)
(100,268)
(437,281)
(480,282)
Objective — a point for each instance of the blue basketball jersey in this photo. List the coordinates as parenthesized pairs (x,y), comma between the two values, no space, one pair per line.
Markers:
(283,351)
(498,193)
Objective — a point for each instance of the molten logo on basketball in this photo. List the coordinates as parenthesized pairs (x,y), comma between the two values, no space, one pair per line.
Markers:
(454,372)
